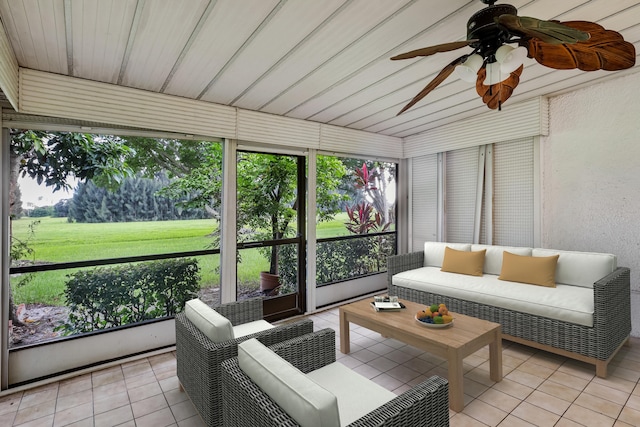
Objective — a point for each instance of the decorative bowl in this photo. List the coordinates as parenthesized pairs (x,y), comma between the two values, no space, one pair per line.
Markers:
(434,325)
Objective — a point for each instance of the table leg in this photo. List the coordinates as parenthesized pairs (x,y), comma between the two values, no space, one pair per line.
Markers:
(456,378)
(495,357)
(344,333)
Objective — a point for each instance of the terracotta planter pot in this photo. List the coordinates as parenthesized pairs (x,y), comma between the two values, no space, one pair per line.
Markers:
(269,283)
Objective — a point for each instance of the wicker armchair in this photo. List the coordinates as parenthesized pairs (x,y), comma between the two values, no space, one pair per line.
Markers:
(245,404)
(198,358)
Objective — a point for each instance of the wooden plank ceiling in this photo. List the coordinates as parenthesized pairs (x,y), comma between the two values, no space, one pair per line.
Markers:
(320,60)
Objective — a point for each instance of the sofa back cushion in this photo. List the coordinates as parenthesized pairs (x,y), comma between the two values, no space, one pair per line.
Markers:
(463,262)
(580,268)
(211,323)
(434,252)
(309,404)
(493,256)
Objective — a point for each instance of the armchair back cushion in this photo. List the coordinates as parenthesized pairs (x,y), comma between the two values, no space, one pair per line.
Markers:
(212,324)
(298,395)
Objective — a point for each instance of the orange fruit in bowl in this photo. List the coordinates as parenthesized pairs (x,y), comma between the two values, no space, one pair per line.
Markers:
(422,314)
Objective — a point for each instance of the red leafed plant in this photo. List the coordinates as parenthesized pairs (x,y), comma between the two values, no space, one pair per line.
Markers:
(364,217)
(361,220)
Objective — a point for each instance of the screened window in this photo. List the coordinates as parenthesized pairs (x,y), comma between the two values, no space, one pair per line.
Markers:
(130,235)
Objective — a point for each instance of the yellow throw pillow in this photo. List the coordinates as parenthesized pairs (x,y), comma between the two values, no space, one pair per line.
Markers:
(534,270)
(463,262)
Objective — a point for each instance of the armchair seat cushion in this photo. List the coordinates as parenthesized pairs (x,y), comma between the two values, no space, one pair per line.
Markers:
(212,324)
(298,395)
(357,395)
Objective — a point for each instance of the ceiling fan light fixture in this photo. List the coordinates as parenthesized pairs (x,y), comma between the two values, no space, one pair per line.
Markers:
(468,70)
(494,74)
(510,58)
(496,65)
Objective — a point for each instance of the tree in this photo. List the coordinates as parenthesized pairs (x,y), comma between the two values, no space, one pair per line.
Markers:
(268,197)
(61,209)
(196,175)
(53,157)
(137,199)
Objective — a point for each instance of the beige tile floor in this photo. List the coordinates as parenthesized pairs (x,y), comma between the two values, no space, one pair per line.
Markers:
(538,389)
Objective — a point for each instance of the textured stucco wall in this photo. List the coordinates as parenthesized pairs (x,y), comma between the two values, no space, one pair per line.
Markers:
(591,175)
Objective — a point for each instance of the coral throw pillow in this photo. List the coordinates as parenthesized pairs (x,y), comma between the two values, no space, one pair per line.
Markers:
(463,262)
(534,270)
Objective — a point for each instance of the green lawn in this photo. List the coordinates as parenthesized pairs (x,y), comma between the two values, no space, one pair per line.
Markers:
(56,240)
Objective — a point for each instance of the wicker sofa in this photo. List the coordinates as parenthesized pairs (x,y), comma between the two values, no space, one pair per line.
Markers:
(359,400)
(199,358)
(586,317)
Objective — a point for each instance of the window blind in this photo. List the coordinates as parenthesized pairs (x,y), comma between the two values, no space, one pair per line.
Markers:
(424,201)
(461,179)
(513,193)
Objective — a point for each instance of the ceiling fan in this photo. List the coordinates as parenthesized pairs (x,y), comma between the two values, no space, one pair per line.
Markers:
(495,66)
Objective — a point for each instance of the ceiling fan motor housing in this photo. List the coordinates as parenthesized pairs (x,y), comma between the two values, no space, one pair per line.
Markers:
(482,26)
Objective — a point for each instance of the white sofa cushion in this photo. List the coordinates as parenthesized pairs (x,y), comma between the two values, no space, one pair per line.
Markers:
(573,304)
(493,256)
(251,328)
(434,252)
(298,395)
(357,396)
(211,323)
(580,268)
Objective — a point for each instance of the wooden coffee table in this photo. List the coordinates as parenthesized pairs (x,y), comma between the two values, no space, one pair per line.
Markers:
(466,336)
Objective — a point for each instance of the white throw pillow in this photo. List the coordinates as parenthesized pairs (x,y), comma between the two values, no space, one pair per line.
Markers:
(211,323)
(309,404)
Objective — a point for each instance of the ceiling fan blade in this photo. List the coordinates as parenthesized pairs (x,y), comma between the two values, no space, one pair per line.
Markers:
(442,75)
(551,32)
(605,49)
(496,95)
(427,51)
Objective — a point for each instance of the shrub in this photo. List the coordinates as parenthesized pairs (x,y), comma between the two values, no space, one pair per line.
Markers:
(107,297)
(351,258)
